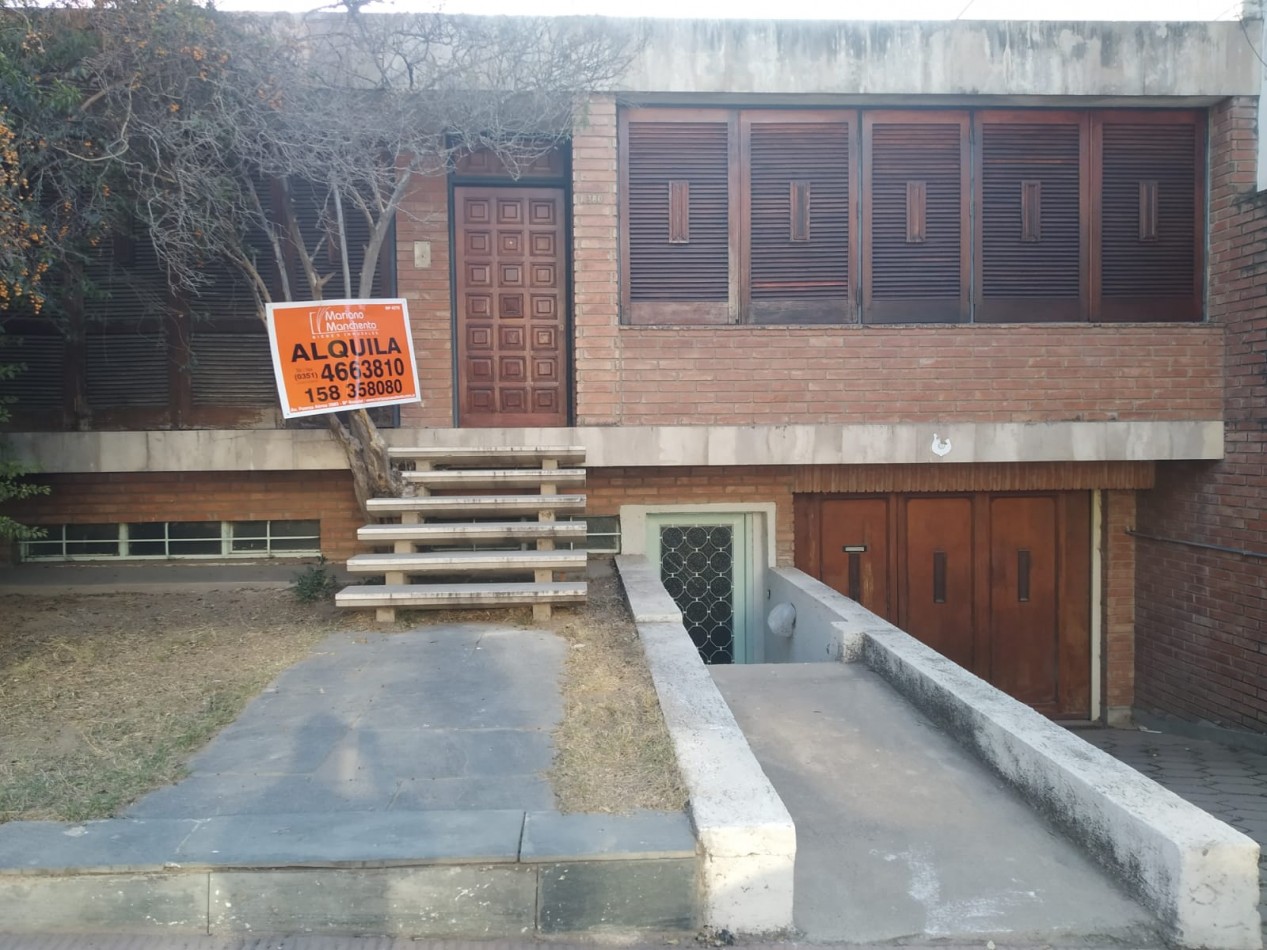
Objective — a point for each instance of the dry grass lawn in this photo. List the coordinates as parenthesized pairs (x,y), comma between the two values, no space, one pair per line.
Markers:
(103,697)
(612,751)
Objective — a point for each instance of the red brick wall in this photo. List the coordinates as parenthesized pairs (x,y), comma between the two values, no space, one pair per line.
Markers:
(1202,614)
(596,274)
(1117,567)
(754,375)
(745,375)
(203,496)
(424,216)
(607,489)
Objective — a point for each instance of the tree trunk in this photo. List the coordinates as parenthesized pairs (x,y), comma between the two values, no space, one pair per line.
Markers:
(372,473)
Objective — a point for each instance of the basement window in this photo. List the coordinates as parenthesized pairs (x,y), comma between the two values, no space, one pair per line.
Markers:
(602,535)
(175,539)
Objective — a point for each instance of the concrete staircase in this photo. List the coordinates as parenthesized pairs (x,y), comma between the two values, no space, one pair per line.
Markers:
(482,531)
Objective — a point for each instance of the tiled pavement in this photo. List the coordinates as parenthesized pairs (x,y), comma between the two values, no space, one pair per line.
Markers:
(1229,783)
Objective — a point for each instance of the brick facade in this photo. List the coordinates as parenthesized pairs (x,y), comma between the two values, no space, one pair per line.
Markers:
(424,217)
(609,488)
(596,268)
(1202,614)
(204,496)
(1117,581)
(753,375)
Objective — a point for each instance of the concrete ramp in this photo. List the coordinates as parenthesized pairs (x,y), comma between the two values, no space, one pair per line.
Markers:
(901,832)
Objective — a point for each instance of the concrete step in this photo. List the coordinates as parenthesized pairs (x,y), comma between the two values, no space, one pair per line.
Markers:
(533,455)
(464,595)
(468,478)
(461,561)
(477,532)
(476,506)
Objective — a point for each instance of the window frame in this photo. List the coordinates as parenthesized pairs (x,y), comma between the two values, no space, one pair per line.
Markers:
(751,117)
(685,313)
(910,310)
(1042,310)
(225,537)
(1174,309)
(971,306)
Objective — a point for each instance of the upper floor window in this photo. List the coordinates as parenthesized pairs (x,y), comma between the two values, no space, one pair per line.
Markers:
(831,216)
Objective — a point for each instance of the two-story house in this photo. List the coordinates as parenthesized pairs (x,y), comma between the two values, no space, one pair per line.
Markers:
(949,315)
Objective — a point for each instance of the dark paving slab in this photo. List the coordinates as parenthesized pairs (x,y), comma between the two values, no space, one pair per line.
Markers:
(381,786)
(450,717)
(550,836)
(1227,781)
(110,845)
(373,839)
(529,792)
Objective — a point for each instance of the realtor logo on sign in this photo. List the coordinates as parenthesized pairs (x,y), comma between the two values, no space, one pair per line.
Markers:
(331,355)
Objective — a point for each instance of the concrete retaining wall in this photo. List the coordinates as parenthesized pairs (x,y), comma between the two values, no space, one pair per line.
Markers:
(1198,875)
(743,829)
(817,632)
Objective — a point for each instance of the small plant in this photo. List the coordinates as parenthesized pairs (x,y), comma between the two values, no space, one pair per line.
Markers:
(314,583)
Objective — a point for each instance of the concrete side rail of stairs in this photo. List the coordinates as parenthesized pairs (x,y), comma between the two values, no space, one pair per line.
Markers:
(746,835)
(1199,875)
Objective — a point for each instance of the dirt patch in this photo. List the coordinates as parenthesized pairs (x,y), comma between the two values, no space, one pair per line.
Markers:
(612,751)
(103,697)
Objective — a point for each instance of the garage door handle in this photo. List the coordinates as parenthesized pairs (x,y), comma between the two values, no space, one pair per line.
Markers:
(855,552)
(939,577)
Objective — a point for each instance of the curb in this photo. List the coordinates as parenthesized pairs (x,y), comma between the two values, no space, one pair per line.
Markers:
(746,835)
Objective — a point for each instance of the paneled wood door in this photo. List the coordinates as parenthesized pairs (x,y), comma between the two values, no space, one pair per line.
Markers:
(999,583)
(936,576)
(512,307)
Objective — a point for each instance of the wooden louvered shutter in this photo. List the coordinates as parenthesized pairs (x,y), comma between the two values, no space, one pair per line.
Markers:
(1030,228)
(798,216)
(316,215)
(229,361)
(676,204)
(127,312)
(1151,208)
(40,386)
(915,217)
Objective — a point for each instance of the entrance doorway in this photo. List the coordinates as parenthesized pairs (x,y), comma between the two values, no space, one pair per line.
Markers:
(999,583)
(706,566)
(512,338)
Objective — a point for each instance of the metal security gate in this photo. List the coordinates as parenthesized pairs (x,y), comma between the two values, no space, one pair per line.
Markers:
(704,565)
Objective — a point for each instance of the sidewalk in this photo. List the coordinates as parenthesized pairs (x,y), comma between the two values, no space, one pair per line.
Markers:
(388,783)
(1229,783)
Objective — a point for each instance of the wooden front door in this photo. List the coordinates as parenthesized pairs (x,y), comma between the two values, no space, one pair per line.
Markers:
(512,307)
(998,583)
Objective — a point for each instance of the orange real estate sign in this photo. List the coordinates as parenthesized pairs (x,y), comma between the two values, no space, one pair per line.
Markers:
(330,355)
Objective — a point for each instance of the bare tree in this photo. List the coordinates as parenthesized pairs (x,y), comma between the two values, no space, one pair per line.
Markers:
(222,123)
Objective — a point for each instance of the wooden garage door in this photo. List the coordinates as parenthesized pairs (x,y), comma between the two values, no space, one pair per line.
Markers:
(512,305)
(998,583)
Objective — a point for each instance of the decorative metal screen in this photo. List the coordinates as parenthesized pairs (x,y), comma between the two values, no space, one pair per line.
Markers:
(697,566)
